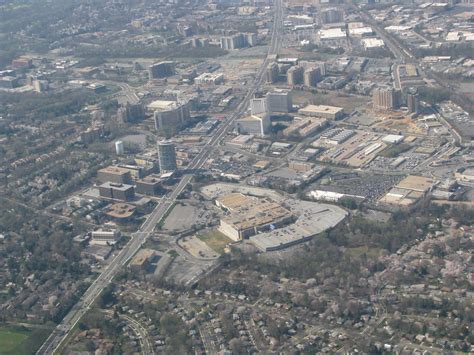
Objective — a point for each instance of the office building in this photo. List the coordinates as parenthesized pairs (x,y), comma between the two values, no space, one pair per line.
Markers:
(258,105)
(114,174)
(279,101)
(170,116)
(312,76)
(119,148)
(137,172)
(257,125)
(161,70)
(122,192)
(331,15)
(295,76)
(105,237)
(272,73)
(209,78)
(150,185)
(386,98)
(143,260)
(324,111)
(131,113)
(166,156)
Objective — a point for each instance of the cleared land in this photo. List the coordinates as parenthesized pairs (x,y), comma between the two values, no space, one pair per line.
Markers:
(197,248)
(215,240)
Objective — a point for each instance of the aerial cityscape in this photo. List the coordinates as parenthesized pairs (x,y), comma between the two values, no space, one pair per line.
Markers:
(236,177)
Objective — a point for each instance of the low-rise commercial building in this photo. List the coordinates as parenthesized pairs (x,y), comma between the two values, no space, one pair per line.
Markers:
(409,191)
(143,260)
(329,112)
(253,217)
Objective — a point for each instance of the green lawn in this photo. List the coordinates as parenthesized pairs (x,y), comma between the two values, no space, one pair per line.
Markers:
(21,341)
(10,339)
(215,240)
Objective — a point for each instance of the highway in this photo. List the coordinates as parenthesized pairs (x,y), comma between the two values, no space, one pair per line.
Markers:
(61,332)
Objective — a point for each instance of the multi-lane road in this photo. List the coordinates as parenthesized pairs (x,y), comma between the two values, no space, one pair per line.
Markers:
(61,332)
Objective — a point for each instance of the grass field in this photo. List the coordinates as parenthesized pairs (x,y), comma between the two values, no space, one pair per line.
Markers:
(215,240)
(21,340)
(10,339)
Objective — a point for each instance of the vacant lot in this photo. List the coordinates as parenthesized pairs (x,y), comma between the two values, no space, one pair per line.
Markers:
(215,240)
(197,248)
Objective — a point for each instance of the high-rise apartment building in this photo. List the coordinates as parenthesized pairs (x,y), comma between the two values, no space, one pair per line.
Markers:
(386,98)
(413,101)
(239,40)
(312,76)
(272,73)
(295,76)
